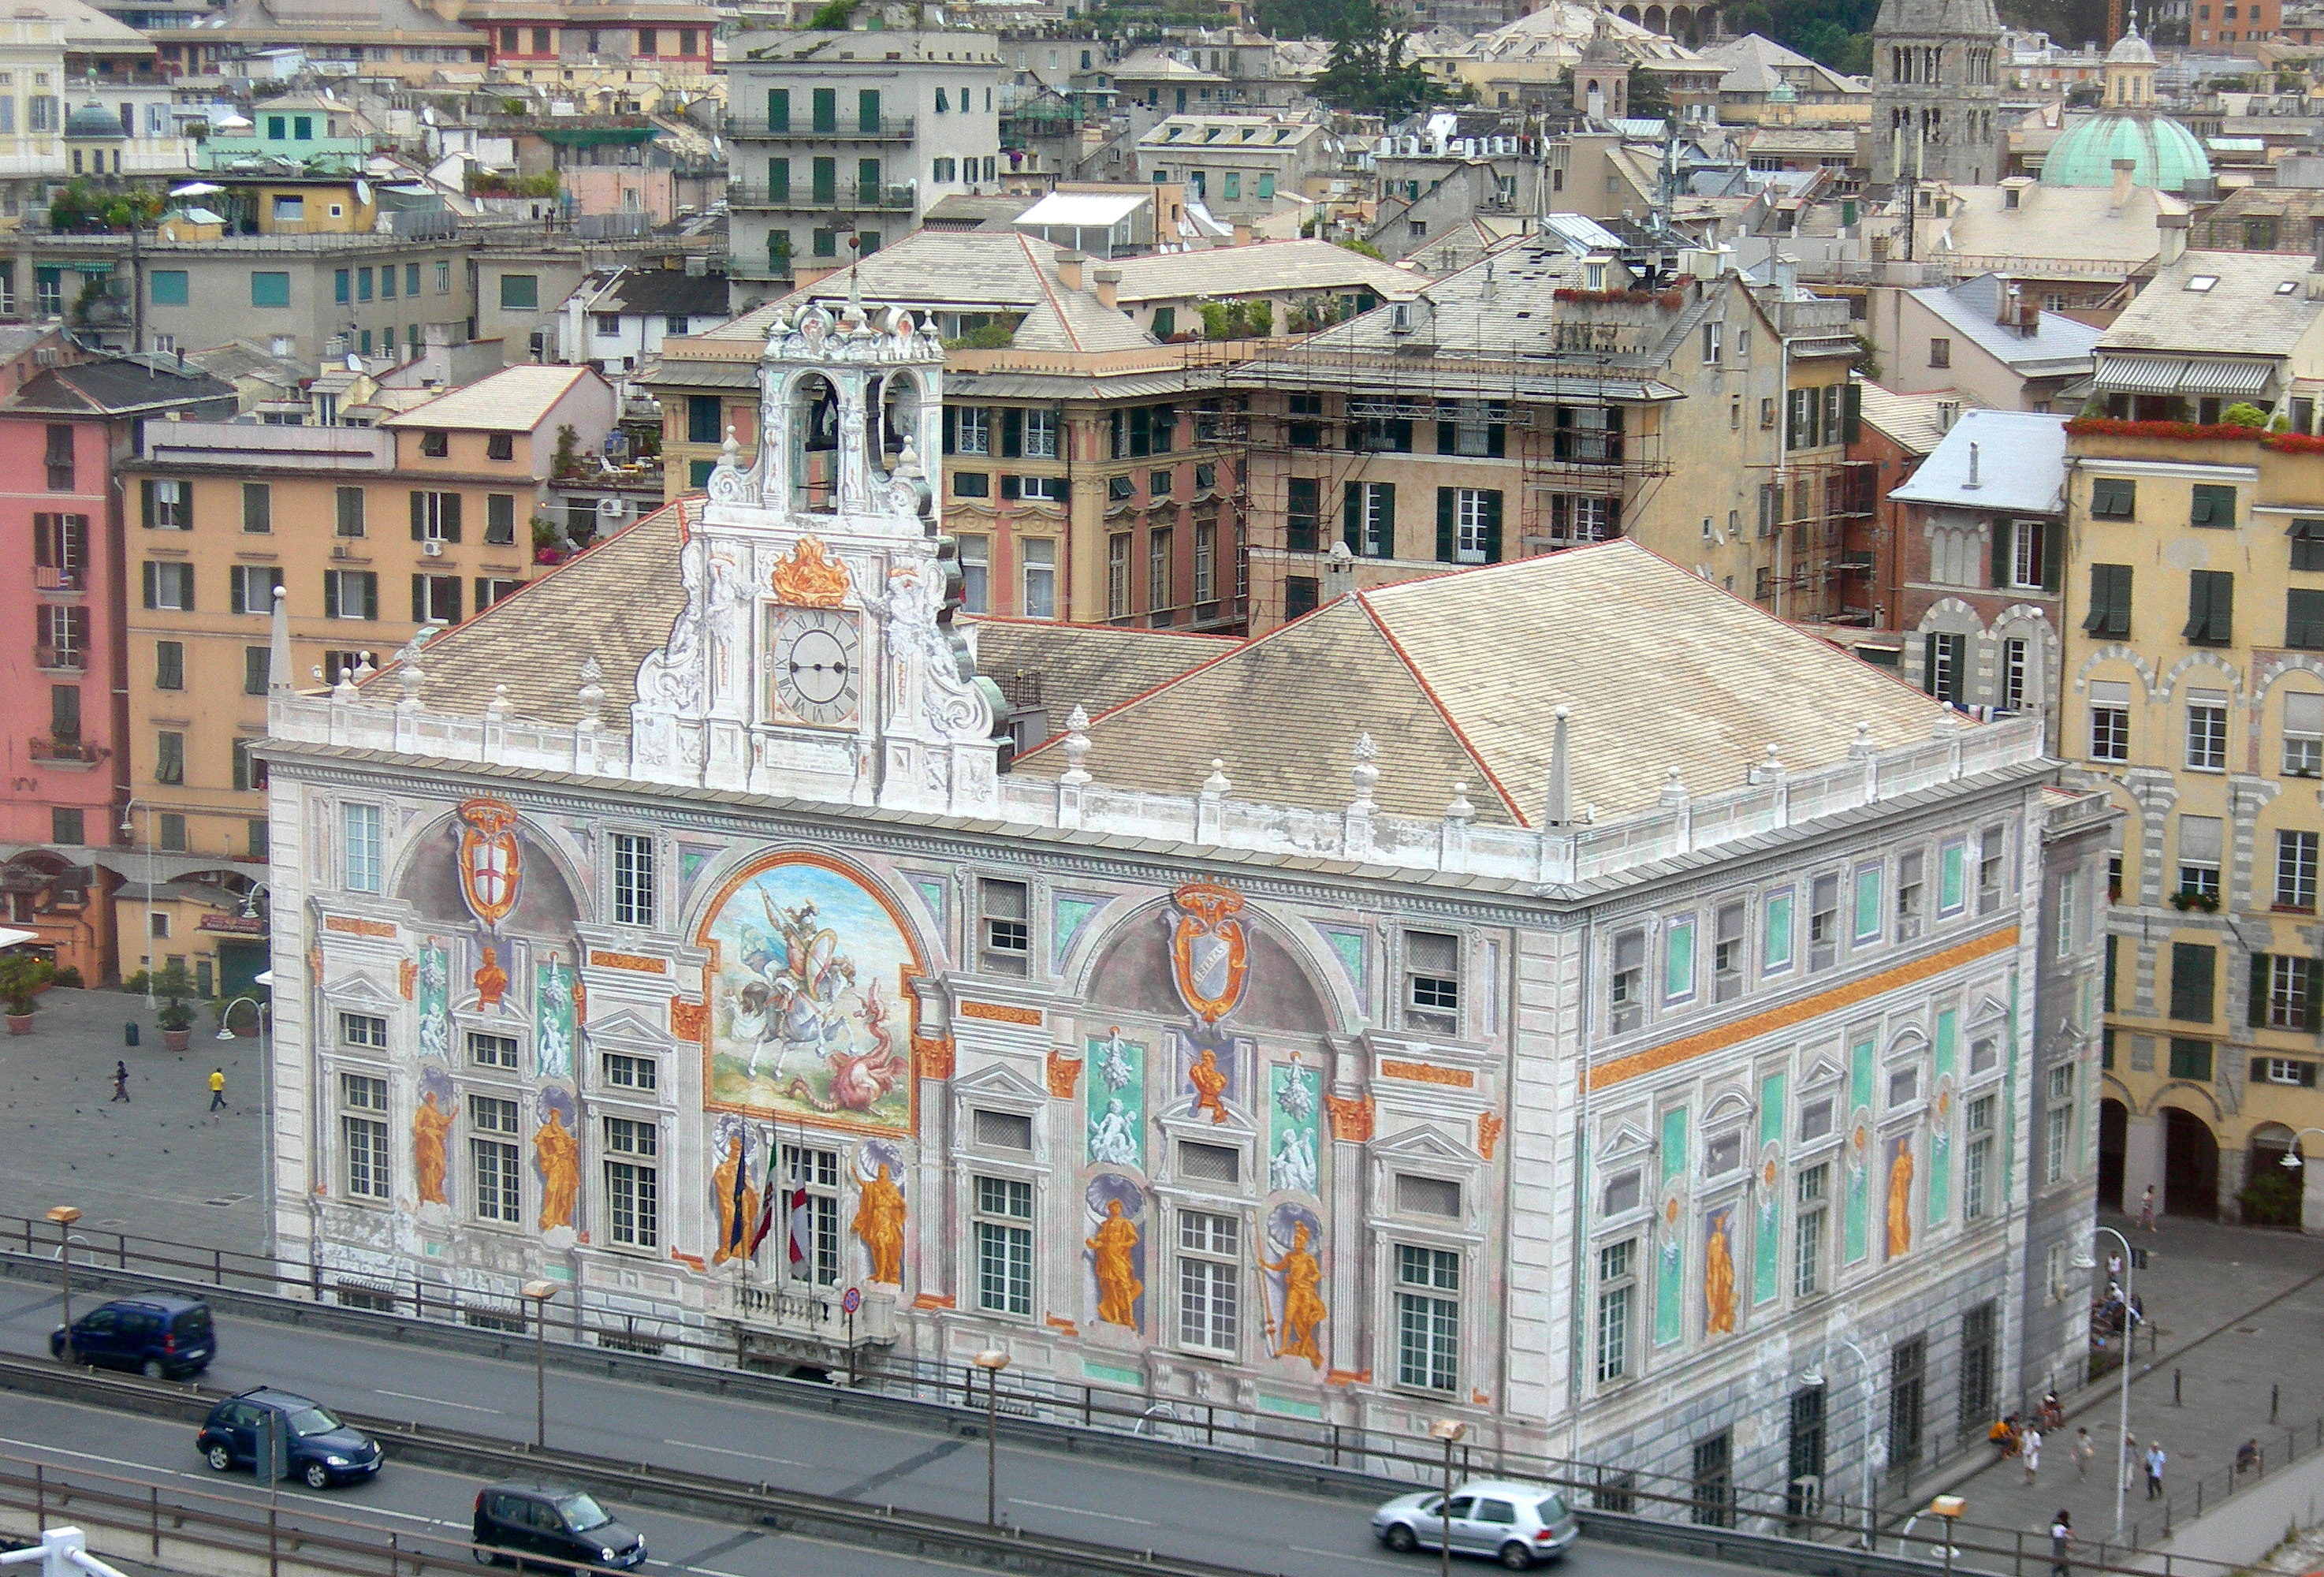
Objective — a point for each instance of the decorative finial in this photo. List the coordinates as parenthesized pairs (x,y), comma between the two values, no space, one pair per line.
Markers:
(496,710)
(730,453)
(1363,774)
(1217,785)
(1459,809)
(1076,746)
(364,668)
(344,690)
(592,694)
(1863,744)
(1673,788)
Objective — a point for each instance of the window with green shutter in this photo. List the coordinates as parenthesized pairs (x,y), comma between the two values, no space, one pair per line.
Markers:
(2303,620)
(269,288)
(826,109)
(1303,514)
(2210,607)
(170,286)
(2109,612)
(2113,498)
(867,109)
(702,420)
(2193,965)
(779,181)
(825,180)
(2191,1059)
(2213,506)
(778,109)
(2307,544)
(519,292)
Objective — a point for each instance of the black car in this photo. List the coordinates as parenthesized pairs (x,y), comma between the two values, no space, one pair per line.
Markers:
(552,1528)
(323,1451)
(159,1333)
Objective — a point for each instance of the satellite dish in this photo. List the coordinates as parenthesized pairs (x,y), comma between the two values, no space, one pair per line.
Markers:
(363,192)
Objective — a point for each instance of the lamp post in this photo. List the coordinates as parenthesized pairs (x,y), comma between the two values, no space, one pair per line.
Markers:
(128,830)
(264,979)
(1449,1431)
(1950,1507)
(537,1293)
(2088,1260)
(225,1029)
(991,1360)
(1816,1380)
(64,1215)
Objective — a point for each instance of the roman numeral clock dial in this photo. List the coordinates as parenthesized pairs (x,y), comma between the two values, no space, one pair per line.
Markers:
(816,665)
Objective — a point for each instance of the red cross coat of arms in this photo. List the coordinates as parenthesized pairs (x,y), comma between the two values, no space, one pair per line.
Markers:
(1210,956)
(491,863)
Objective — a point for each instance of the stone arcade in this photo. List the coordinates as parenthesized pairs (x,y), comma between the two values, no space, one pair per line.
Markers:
(1599,1000)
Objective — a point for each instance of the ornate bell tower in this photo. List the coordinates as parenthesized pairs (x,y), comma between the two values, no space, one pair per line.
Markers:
(1936,86)
(815,656)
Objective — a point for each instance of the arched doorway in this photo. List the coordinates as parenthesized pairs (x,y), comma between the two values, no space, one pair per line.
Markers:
(2114,1131)
(2190,1166)
(2271,1194)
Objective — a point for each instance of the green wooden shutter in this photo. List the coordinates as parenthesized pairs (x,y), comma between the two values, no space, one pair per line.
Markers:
(1493,526)
(330,602)
(1447,437)
(371,593)
(778,109)
(146,502)
(2004,546)
(450,524)
(2053,554)
(152,580)
(1496,439)
(2256,1015)
(1851,412)
(2314,970)
(419,515)
(419,599)
(1386,492)
(1013,433)
(948,421)
(1351,520)
(1445,545)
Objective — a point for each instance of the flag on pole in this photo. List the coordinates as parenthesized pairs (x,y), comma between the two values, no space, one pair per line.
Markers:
(737,1229)
(802,1224)
(766,1221)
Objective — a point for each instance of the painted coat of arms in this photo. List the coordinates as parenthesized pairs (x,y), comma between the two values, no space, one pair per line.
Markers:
(491,864)
(1210,956)
(809,1012)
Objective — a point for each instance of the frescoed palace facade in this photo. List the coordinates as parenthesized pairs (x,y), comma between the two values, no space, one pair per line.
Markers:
(1595,1005)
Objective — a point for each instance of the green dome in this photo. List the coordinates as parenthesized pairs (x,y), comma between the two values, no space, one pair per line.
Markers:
(2166,154)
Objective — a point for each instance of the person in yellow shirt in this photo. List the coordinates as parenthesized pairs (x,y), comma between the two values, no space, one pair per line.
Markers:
(217,1088)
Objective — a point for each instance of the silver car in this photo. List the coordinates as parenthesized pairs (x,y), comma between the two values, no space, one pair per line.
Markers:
(1514,1524)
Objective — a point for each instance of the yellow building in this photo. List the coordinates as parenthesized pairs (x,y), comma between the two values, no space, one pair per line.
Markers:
(368,533)
(2194,670)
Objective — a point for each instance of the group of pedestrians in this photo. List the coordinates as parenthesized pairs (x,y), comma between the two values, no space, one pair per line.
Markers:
(121,1084)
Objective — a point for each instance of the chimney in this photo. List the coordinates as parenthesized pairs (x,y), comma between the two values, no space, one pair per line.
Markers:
(1972,481)
(1107,279)
(1069,269)
(2120,198)
(2171,237)
(1560,780)
(1242,232)
(2005,310)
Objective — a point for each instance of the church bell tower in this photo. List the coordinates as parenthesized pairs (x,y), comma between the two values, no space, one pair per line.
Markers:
(1935,90)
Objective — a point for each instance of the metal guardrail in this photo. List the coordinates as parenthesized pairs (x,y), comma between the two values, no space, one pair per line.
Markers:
(893,128)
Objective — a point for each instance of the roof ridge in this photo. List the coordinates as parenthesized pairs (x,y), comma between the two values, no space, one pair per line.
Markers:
(1041,278)
(1443,713)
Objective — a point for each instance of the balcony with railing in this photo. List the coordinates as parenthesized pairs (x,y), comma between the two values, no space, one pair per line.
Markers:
(761,265)
(50,578)
(60,660)
(847,197)
(62,750)
(886,128)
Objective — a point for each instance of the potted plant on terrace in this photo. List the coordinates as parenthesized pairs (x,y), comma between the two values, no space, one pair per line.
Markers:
(22,977)
(175,1016)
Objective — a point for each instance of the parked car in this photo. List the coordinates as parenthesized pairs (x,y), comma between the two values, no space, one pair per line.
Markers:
(158,1334)
(1516,1524)
(552,1527)
(323,1451)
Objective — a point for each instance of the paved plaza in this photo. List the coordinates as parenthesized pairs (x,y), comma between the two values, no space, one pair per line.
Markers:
(161,1164)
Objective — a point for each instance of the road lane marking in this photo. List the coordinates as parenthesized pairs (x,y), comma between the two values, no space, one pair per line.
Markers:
(712,1572)
(432,1401)
(747,1455)
(1080,1511)
(1344,1555)
(90,1456)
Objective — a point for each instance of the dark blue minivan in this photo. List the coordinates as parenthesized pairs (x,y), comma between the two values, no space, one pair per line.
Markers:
(158,1334)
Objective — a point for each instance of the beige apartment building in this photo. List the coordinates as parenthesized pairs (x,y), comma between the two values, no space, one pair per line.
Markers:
(368,533)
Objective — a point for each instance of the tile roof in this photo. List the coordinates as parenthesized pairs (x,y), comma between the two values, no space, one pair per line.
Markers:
(1263,265)
(2059,346)
(2021,465)
(513,400)
(1455,678)
(2247,312)
(1913,420)
(119,384)
(1095,667)
(665,292)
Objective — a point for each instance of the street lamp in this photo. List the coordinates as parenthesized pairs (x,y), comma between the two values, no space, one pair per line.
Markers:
(2088,1261)
(1449,1431)
(264,979)
(991,1360)
(64,1215)
(1950,1507)
(225,1029)
(537,1293)
(129,830)
(1814,1380)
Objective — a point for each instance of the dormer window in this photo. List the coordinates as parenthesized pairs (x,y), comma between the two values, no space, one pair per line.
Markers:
(2201,282)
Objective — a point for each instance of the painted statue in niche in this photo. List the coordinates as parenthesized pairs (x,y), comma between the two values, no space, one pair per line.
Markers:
(880,1210)
(434,1000)
(1116,1250)
(1116,1102)
(809,967)
(556,1151)
(556,1018)
(1719,1271)
(1292,1164)
(492,981)
(431,1125)
(1292,1231)
(1209,1070)
(1900,1196)
(731,1191)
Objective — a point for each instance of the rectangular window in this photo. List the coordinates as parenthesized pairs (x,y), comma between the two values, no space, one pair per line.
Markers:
(1004,928)
(269,289)
(2109,612)
(2114,498)
(2057,1123)
(500,519)
(2207,730)
(1469,522)
(1980,1332)
(2191,1059)
(1808,1247)
(1004,1245)
(975,558)
(1040,572)
(633,1182)
(492,1051)
(1040,433)
(1941,353)
(1370,523)
(630,1072)
(359,844)
(972,431)
(633,880)
(350,593)
(2109,719)
(2193,966)
(1159,593)
(1678,959)
(1943,657)
(519,292)
(1209,1280)
(2211,608)
(2307,541)
(173,841)
(1627,996)
(363,1133)
(249,770)
(1427,1318)
(1303,514)
(250,587)
(2295,870)
(493,1158)
(1727,952)
(1978,1163)
(169,287)
(168,504)
(435,599)
(2016,671)
(435,516)
(1431,969)
(2213,506)
(1616,1286)
(1823,921)
(1775,933)
(169,756)
(350,502)
(1867,905)
(2303,620)
(817,1172)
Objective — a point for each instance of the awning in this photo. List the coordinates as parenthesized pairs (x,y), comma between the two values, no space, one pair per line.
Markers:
(2152,374)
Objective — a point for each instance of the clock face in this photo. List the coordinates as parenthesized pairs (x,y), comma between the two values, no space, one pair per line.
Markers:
(814,660)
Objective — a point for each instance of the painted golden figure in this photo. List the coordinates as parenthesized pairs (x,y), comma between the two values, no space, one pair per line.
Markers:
(558,1153)
(1302,1298)
(1118,1286)
(430,1125)
(880,1224)
(491,981)
(1718,1285)
(1210,1082)
(1900,1202)
(731,1245)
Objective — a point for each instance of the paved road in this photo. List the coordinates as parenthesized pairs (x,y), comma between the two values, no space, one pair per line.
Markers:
(1261,1530)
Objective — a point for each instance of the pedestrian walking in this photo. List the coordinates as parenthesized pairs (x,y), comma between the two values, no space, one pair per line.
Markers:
(2147,1210)
(2154,1461)
(2129,1459)
(2085,1448)
(2031,1450)
(2062,1539)
(217,1088)
(2114,1267)
(120,1080)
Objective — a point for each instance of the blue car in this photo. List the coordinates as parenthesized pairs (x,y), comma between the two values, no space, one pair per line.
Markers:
(160,1334)
(323,1451)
